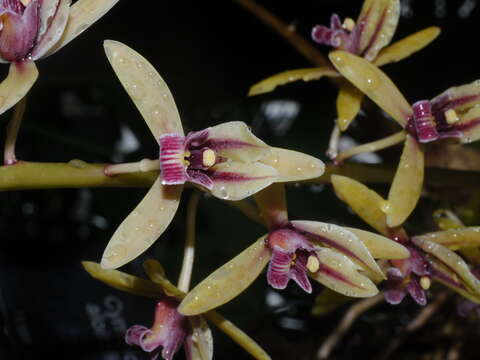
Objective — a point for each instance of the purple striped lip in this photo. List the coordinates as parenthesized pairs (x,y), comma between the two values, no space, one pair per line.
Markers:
(336,36)
(172,159)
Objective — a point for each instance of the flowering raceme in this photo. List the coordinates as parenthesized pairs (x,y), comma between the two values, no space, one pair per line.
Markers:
(339,258)
(226,160)
(34,29)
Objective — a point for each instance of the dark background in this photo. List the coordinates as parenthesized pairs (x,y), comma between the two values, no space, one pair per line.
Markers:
(210,53)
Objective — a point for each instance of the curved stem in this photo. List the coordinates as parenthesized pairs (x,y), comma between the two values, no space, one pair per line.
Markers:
(13,128)
(189,250)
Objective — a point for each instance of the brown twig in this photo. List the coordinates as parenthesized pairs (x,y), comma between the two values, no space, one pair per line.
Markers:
(346,323)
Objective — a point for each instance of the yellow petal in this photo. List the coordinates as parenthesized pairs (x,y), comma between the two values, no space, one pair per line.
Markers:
(455,239)
(293,165)
(234,180)
(374,83)
(407,46)
(380,18)
(286,77)
(364,202)
(342,275)
(16,85)
(83,13)
(407,184)
(379,246)
(469,125)
(156,274)
(143,226)
(349,102)
(273,205)
(146,88)
(122,281)
(460,98)
(228,281)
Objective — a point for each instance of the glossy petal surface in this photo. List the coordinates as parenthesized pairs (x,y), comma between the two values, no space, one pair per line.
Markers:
(228,281)
(349,102)
(455,239)
(374,83)
(146,88)
(293,165)
(286,77)
(199,342)
(143,225)
(407,46)
(379,246)
(83,13)
(407,184)
(342,275)
(20,79)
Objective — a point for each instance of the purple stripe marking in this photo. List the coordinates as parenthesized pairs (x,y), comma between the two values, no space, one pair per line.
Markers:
(336,275)
(222,144)
(224,176)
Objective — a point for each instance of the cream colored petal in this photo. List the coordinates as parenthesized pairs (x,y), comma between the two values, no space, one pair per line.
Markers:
(273,205)
(407,46)
(16,85)
(293,165)
(342,275)
(122,281)
(234,180)
(469,125)
(461,97)
(143,225)
(407,184)
(452,260)
(83,13)
(286,77)
(374,83)
(364,202)
(228,281)
(146,88)
(380,18)
(349,102)
(201,346)
(379,246)
(455,239)
(343,241)
(240,143)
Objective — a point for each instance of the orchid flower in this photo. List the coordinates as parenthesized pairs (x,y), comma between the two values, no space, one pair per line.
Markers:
(34,29)
(367,37)
(339,258)
(431,256)
(226,160)
(170,329)
(453,114)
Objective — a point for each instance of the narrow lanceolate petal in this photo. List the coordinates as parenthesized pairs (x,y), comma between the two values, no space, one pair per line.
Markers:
(407,46)
(143,225)
(53,19)
(374,83)
(377,21)
(234,180)
(364,202)
(228,281)
(349,102)
(21,77)
(342,275)
(407,184)
(83,14)
(234,140)
(455,239)
(379,246)
(340,239)
(451,260)
(286,77)
(122,281)
(272,204)
(293,165)
(469,125)
(146,88)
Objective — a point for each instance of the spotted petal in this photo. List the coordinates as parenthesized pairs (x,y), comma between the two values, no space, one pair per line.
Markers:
(455,239)
(349,102)
(143,225)
(342,240)
(342,275)
(407,46)
(379,246)
(83,13)
(228,281)
(374,83)
(286,77)
(122,281)
(146,88)
(407,184)
(234,180)
(20,79)
(378,21)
